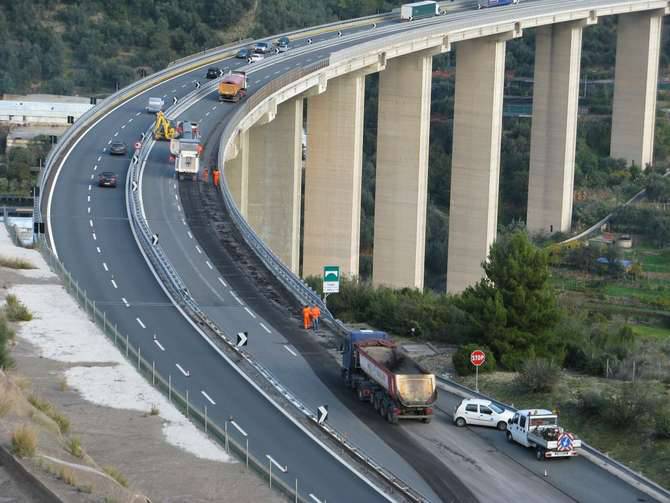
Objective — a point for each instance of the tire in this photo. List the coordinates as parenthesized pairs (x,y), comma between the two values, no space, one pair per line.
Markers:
(509,437)
(539,453)
(460,422)
(426,420)
(382,410)
(502,425)
(391,417)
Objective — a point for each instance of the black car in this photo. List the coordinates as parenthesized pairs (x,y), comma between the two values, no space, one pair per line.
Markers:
(107,179)
(213,72)
(118,148)
(243,54)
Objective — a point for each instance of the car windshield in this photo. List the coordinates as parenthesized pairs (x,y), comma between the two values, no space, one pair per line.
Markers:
(107,174)
(495,408)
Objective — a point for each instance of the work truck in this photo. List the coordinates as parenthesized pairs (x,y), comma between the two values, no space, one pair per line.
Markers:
(418,10)
(375,367)
(539,430)
(233,87)
(186,150)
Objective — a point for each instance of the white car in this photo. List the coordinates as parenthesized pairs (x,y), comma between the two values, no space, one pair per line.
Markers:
(253,57)
(482,413)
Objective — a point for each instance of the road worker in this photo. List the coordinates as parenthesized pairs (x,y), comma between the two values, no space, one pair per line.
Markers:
(306,317)
(205,175)
(315,313)
(215,178)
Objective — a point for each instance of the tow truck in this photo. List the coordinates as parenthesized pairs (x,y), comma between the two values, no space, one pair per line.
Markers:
(539,429)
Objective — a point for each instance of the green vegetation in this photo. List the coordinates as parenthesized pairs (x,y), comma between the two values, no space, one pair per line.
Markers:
(461,359)
(74,447)
(7,335)
(116,475)
(15,263)
(24,442)
(15,310)
(49,410)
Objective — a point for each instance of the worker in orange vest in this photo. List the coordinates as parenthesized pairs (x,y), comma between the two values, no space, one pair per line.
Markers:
(205,175)
(315,313)
(215,175)
(307,317)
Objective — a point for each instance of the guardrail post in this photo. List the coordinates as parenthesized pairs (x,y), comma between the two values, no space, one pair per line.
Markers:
(139,349)
(153,373)
(116,332)
(205,419)
(186,404)
(296,490)
(104,321)
(126,345)
(170,388)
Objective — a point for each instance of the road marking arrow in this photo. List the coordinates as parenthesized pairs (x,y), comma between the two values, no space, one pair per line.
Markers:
(134,186)
(154,239)
(242,338)
(174,100)
(323,414)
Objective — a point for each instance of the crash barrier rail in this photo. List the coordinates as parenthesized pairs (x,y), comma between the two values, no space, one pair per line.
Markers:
(226,437)
(171,280)
(640,479)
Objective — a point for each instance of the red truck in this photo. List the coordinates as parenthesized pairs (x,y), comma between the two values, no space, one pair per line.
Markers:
(397,387)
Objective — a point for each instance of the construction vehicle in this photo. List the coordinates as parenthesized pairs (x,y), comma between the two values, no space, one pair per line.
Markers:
(186,150)
(233,87)
(538,429)
(163,128)
(398,388)
(418,10)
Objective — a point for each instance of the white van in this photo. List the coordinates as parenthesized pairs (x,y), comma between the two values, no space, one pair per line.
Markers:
(155,105)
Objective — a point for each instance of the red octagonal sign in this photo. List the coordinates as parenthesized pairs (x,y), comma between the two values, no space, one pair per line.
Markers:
(477,358)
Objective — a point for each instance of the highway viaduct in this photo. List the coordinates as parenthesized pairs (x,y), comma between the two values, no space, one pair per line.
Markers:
(264,172)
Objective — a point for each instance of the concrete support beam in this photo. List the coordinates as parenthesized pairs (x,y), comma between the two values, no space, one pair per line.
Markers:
(558,50)
(635,86)
(402,171)
(475,164)
(236,172)
(333,170)
(275,177)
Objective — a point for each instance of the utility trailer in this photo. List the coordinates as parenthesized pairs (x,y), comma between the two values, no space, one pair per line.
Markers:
(539,430)
(418,10)
(390,380)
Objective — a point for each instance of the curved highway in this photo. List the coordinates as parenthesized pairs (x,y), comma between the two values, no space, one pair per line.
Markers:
(92,237)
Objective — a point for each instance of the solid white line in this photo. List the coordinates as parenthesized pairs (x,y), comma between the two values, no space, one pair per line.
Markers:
(222,282)
(159,345)
(208,264)
(265,328)
(140,323)
(198,248)
(189,234)
(208,398)
(114,284)
(98,248)
(104,265)
(125,302)
(186,373)
(236,297)
(250,313)
(290,351)
(95,238)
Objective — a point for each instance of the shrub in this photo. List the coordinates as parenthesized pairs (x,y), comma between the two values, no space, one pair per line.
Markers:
(15,310)
(592,402)
(662,423)
(67,476)
(44,406)
(24,441)
(630,407)
(15,263)
(74,447)
(7,334)
(461,360)
(116,475)
(154,410)
(538,375)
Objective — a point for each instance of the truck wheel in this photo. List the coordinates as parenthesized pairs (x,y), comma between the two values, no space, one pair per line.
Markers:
(539,453)
(382,410)
(509,437)
(460,422)
(502,425)
(391,417)
(427,420)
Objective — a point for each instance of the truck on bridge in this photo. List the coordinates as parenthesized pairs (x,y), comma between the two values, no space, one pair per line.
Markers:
(482,4)
(538,429)
(398,388)
(418,10)
(186,150)
(233,87)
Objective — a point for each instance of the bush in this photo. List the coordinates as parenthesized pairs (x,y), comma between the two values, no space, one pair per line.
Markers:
(630,407)
(462,363)
(24,442)
(67,476)
(7,334)
(662,423)
(15,263)
(538,375)
(74,447)
(116,475)
(154,410)
(16,310)
(592,402)
(44,406)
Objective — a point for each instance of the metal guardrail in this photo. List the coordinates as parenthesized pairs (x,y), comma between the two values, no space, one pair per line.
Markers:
(639,478)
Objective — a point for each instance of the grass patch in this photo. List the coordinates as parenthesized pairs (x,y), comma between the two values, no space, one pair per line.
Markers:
(48,409)
(15,310)
(74,447)
(24,442)
(154,410)
(15,263)
(67,476)
(116,475)
(62,384)
(656,262)
(650,331)
(5,405)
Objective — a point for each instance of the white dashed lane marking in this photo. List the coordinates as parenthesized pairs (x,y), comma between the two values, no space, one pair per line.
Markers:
(95,238)
(114,284)
(140,323)
(159,345)
(125,302)
(209,399)
(287,348)
(98,248)
(265,328)
(250,313)
(209,264)
(198,249)
(104,266)
(181,369)
(222,282)
(236,297)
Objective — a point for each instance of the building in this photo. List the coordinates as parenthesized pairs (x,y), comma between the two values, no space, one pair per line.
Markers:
(42,109)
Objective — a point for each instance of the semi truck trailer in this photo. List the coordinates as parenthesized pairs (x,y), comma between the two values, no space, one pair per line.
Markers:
(418,10)
(379,372)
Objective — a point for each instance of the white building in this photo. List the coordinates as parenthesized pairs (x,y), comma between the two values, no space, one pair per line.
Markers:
(42,109)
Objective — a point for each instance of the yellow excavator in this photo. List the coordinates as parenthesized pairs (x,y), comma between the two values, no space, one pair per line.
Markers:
(163,128)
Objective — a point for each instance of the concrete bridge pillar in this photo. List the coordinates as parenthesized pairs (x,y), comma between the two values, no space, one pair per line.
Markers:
(475,164)
(333,170)
(558,50)
(402,171)
(236,172)
(635,86)
(275,177)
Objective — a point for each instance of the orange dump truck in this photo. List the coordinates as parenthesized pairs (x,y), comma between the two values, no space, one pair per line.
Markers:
(233,87)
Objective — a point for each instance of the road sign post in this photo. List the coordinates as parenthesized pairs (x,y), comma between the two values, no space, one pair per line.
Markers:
(477,358)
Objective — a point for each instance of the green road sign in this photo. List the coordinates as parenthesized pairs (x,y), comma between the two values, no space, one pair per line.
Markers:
(331,279)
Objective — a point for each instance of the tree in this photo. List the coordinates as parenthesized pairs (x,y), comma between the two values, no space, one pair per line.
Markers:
(513,309)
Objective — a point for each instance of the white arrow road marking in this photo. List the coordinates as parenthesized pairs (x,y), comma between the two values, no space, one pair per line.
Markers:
(125,302)
(140,323)
(104,265)
(114,284)
(222,282)
(287,348)
(187,373)
(265,328)
(250,313)
(209,399)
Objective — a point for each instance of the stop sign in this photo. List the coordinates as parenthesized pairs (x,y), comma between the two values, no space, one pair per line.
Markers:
(477,358)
